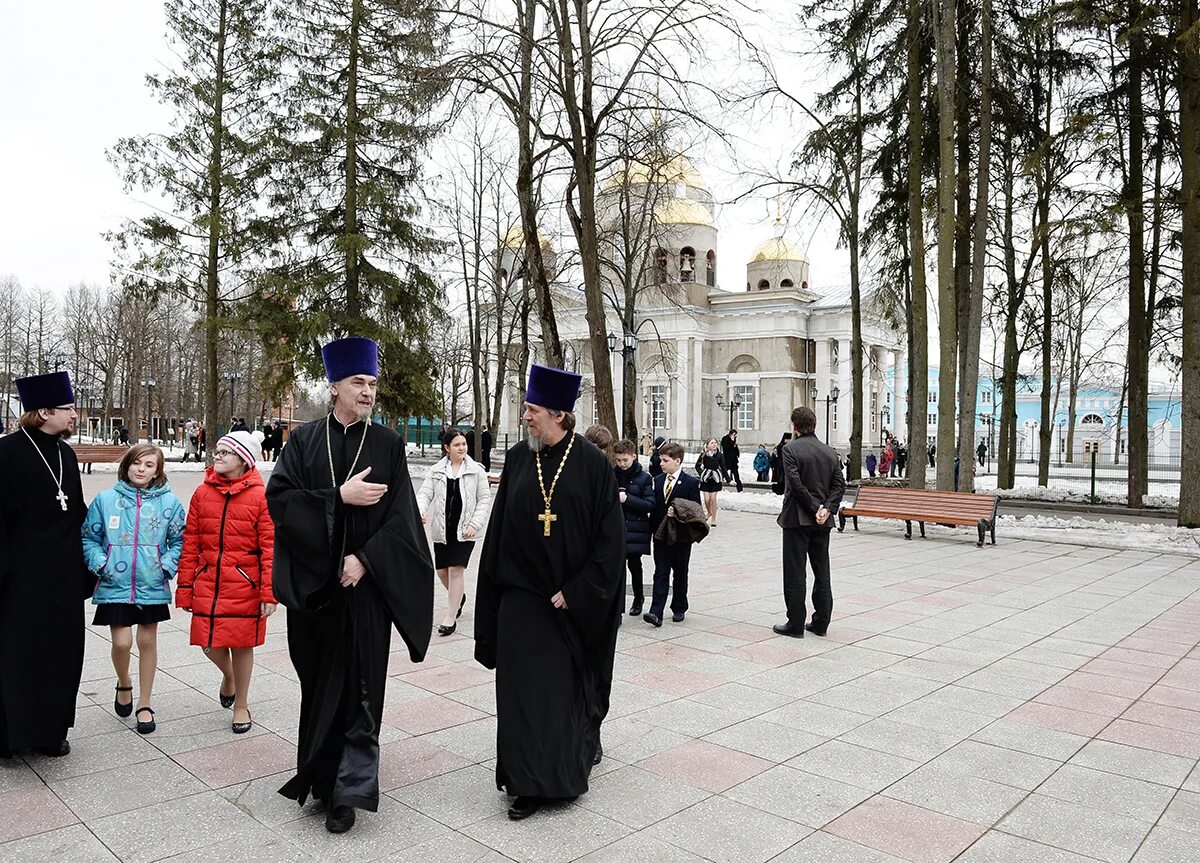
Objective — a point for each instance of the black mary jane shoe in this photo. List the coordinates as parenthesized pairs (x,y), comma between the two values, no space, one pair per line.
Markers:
(784,629)
(58,750)
(226,700)
(145,727)
(523,807)
(120,709)
(339,819)
(243,727)
(447,630)
(461,605)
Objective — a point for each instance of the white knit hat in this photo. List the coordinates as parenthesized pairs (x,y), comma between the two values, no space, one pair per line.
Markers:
(242,443)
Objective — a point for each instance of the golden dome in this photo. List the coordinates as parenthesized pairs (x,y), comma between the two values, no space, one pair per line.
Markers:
(677,170)
(515,239)
(778,249)
(683,211)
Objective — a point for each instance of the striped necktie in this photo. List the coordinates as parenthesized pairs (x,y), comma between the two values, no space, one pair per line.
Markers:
(670,485)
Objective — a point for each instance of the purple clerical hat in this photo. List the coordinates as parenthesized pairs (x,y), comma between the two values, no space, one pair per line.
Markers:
(351,356)
(552,388)
(45,391)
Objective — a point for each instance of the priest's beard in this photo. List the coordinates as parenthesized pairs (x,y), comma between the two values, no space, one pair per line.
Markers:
(536,444)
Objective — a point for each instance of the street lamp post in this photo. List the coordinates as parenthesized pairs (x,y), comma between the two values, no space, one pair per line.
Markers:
(628,353)
(149,384)
(829,399)
(734,404)
(1061,441)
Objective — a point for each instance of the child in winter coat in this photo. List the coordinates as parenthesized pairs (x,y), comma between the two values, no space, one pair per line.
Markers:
(225,571)
(132,539)
(762,463)
(635,488)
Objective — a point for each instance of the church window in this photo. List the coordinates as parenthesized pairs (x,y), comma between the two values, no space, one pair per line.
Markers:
(660,266)
(687,264)
(986,397)
(1092,420)
(745,411)
(932,397)
(786,283)
(711,261)
(658,407)
(931,419)
(874,409)
(804,285)
(764,285)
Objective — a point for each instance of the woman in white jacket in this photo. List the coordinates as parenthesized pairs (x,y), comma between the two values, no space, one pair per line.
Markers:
(455,501)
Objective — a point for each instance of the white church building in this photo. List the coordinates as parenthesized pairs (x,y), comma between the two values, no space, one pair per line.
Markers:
(764,347)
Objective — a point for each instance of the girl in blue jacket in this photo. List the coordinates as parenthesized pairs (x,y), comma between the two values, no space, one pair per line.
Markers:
(132,540)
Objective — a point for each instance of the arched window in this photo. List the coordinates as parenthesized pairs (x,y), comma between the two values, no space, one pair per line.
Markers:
(787,283)
(503,277)
(747,286)
(687,264)
(764,285)
(660,266)
(1092,420)
(804,285)
(711,260)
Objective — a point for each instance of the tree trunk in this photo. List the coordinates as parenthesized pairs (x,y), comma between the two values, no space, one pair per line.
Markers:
(1139,335)
(354,307)
(970,380)
(918,376)
(945,34)
(212,330)
(1189,144)
(1045,182)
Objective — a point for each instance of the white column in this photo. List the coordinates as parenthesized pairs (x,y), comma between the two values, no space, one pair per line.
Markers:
(900,395)
(845,405)
(822,382)
(683,387)
(698,406)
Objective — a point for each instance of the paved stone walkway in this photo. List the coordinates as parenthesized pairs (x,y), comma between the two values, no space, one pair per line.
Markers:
(1028,702)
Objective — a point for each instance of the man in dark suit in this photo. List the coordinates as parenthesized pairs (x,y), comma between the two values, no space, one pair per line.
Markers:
(813,489)
(671,485)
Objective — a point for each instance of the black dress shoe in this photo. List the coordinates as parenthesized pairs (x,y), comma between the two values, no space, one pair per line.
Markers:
(820,632)
(56,751)
(523,807)
(145,726)
(677,617)
(226,700)
(652,619)
(599,756)
(784,629)
(447,630)
(120,709)
(339,819)
(635,609)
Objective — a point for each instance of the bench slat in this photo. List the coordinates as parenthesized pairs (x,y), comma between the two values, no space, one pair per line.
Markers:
(923,506)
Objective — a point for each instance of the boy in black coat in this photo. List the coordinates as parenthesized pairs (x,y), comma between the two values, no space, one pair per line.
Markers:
(636,490)
(673,484)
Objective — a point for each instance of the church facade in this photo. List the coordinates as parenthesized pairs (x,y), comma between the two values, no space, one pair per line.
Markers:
(707,358)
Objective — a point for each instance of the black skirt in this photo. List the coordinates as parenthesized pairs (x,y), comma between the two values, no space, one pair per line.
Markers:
(452,553)
(125,614)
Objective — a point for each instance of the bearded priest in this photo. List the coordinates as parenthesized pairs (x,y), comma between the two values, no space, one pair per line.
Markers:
(351,562)
(548,599)
(43,579)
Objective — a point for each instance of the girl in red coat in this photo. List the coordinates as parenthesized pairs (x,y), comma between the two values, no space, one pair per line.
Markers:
(225,570)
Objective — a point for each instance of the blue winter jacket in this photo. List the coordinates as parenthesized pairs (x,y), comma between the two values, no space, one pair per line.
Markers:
(762,461)
(132,541)
(639,500)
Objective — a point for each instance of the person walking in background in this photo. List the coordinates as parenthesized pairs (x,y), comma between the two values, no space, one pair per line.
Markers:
(655,468)
(123,435)
(871,462)
(710,467)
(813,491)
(932,451)
(132,541)
(635,488)
(191,445)
(762,463)
(455,501)
(225,570)
(201,439)
(268,441)
(600,437)
(731,454)
(488,443)
(981,453)
(885,462)
(777,464)
(901,458)
(671,561)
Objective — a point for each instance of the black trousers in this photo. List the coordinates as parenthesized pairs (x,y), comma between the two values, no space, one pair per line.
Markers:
(732,471)
(670,560)
(634,562)
(811,544)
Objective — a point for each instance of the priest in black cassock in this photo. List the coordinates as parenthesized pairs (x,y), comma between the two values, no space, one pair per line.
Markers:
(351,561)
(549,598)
(43,579)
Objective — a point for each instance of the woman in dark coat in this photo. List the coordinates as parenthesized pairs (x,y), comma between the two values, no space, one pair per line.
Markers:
(636,491)
(710,467)
(655,467)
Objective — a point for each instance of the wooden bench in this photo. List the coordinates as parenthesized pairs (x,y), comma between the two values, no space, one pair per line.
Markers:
(921,505)
(98,453)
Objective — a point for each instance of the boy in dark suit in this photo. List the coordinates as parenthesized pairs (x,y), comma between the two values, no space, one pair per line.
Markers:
(671,485)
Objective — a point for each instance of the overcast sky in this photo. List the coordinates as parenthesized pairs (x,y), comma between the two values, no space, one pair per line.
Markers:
(74,84)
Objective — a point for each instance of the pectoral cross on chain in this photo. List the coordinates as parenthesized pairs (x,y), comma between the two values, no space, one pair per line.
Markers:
(62,500)
(546,518)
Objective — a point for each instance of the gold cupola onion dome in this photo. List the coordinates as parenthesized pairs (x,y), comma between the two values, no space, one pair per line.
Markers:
(643,172)
(683,211)
(515,239)
(778,249)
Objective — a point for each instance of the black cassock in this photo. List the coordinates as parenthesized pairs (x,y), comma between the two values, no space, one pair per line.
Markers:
(553,668)
(43,582)
(339,637)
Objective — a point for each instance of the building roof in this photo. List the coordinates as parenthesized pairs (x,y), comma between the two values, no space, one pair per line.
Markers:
(683,211)
(778,249)
(515,239)
(678,169)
